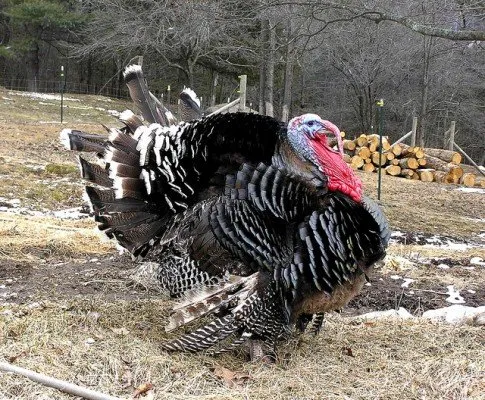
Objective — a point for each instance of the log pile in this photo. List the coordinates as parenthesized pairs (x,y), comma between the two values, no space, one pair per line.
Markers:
(425,164)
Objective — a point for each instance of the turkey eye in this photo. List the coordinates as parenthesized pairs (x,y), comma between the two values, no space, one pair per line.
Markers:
(310,123)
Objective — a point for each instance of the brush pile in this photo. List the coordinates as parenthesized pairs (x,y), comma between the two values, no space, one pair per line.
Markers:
(411,162)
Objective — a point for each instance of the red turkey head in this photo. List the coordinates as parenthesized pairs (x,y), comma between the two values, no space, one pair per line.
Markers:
(307,134)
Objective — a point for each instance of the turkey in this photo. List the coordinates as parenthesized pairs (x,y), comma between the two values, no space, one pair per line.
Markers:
(259,225)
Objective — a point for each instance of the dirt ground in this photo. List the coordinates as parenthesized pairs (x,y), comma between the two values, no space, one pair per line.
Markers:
(58,270)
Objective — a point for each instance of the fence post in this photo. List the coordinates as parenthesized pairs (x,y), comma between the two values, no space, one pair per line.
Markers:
(242,92)
(452,136)
(62,92)
(380,106)
(413,130)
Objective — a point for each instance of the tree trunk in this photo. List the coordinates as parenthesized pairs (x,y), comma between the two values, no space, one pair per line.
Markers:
(268,65)
(428,43)
(290,57)
(33,68)
(290,60)
(212,95)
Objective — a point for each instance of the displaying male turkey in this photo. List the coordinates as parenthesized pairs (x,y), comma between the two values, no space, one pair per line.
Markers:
(260,224)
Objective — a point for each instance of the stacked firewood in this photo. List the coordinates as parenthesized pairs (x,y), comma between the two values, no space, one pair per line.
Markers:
(411,162)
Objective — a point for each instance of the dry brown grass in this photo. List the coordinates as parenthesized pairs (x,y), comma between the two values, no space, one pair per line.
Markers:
(390,359)
(26,238)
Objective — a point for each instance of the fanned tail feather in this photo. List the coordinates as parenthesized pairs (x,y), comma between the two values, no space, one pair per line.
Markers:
(190,105)
(82,141)
(206,300)
(151,108)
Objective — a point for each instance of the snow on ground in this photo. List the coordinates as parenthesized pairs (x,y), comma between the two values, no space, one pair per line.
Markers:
(13,206)
(43,96)
(454,296)
(433,241)
(471,190)
(456,314)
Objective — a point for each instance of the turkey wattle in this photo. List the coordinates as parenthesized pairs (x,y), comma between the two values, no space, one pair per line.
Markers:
(261,225)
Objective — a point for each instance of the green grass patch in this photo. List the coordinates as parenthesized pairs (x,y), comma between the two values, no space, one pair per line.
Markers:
(61,169)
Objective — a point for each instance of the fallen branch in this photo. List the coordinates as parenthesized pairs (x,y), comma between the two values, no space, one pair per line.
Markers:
(58,384)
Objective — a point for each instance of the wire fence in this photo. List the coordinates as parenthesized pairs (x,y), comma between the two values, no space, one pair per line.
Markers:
(53,86)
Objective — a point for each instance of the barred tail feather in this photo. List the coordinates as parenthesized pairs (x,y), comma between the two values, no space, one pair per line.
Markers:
(82,141)
(150,107)
(94,173)
(209,299)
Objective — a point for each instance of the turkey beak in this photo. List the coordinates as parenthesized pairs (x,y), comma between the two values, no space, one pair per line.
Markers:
(331,129)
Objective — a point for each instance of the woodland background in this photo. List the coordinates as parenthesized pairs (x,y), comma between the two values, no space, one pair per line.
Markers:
(425,58)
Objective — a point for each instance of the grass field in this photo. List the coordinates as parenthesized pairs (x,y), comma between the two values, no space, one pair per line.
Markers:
(74,308)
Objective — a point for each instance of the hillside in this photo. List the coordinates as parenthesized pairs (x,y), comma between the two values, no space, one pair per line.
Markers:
(73,307)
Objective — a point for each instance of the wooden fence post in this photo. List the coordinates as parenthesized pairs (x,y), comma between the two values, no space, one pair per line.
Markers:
(413,130)
(242,92)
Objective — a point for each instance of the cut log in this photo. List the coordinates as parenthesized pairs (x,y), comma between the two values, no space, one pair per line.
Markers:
(372,147)
(468,179)
(356,162)
(374,139)
(445,155)
(441,177)
(440,165)
(406,172)
(369,167)
(349,145)
(422,162)
(389,155)
(361,140)
(426,175)
(395,161)
(397,149)
(471,169)
(393,170)
(415,176)
(347,158)
(419,152)
(480,181)
(409,163)
(362,152)
(407,151)
(375,159)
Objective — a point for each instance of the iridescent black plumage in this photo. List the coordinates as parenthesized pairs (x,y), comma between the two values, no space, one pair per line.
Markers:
(242,217)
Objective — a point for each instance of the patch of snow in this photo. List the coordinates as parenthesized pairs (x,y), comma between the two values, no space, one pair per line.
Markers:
(407,282)
(477,261)
(114,113)
(454,296)
(443,266)
(471,190)
(451,246)
(471,291)
(70,213)
(395,277)
(42,103)
(456,314)
(89,341)
(397,234)
(7,98)
(401,313)
(368,284)
(43,96)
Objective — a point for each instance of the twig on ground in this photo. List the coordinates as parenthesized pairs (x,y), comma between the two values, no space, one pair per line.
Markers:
(61,385)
